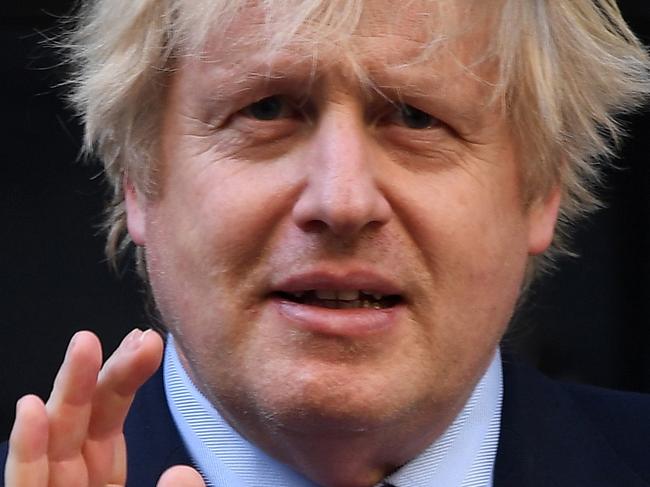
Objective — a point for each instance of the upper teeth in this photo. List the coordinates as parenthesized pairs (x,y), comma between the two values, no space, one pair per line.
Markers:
(339,294)
(343,295)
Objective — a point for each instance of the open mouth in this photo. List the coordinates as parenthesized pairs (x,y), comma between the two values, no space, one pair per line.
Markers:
(340,299)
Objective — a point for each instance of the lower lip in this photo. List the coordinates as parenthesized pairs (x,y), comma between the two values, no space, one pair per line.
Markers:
(355,322)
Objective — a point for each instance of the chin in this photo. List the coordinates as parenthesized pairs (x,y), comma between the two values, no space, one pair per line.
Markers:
(323,417)
(326,401)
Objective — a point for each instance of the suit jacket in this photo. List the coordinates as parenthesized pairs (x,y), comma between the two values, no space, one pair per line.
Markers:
(552,435)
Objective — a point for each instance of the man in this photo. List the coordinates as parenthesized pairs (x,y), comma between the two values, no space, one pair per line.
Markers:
(337,206)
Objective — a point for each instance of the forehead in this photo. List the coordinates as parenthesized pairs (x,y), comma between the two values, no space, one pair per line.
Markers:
(368,37)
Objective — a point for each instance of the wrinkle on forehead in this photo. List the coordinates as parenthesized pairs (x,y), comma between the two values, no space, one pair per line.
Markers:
(328,31)
(430,47)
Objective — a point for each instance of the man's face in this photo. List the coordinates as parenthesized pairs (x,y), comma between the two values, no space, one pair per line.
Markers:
(331,257)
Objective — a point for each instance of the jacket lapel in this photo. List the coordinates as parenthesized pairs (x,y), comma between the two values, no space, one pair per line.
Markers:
(546,440)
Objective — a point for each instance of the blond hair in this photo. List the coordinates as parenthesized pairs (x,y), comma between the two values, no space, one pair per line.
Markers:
(567,69)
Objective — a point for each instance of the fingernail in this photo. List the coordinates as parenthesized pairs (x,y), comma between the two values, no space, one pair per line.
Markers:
(144,335)
(131,341)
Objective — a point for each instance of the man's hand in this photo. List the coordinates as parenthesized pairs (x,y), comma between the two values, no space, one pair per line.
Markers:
(76,439)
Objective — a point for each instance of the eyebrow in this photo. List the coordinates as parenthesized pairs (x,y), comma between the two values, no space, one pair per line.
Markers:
(237,79)
(302,77)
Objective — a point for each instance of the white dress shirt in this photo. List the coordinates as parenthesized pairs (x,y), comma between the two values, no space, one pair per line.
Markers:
(463,456)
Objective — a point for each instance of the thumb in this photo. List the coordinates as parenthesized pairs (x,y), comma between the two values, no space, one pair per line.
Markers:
(181,476)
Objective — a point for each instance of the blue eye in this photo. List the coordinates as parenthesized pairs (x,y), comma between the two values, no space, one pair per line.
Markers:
(416,119)
(269,108)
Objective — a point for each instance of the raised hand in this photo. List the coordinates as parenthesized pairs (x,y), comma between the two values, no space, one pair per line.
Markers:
(76,439)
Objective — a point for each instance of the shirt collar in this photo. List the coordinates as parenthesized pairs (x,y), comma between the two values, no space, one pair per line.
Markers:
(462,456)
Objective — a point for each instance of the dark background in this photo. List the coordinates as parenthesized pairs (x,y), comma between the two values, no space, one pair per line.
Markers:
(588,322)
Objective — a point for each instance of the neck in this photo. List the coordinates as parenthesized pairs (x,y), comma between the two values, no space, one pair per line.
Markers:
(336,452)
(336,457)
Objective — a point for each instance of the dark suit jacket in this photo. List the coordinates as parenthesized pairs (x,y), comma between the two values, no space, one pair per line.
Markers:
(552,435)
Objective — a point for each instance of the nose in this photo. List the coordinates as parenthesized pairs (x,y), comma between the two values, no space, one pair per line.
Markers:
(342,194)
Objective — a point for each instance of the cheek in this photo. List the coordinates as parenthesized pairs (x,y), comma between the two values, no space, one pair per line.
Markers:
(207,236)
(218,219)
(468,226)
(489,250)
(473,242)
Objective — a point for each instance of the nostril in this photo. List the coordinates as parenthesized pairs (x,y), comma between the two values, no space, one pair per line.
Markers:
(314,226)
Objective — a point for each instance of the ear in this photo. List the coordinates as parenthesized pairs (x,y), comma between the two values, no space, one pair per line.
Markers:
(542,217)
(135,204)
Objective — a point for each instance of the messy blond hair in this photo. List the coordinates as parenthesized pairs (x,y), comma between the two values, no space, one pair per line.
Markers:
(567,69)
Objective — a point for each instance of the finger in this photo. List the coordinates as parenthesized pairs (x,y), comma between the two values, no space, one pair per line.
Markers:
(136,359)
(106,461)
(69,408)
(181,476)
(27,464)
(70,403)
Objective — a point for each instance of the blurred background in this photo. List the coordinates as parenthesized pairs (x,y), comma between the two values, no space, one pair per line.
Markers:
(587,323)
